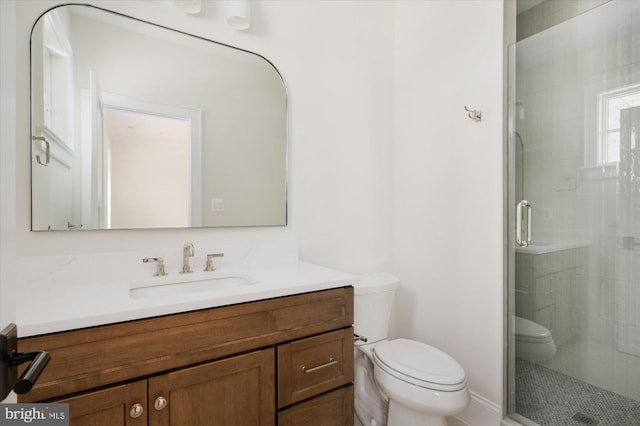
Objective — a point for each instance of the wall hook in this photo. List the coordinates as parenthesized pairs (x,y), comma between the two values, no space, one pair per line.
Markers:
(47,149)
(474,114)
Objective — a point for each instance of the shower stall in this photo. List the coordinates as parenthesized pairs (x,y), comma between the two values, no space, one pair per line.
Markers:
(574,213)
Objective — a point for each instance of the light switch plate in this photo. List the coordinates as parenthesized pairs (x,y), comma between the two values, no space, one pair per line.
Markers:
(217,204)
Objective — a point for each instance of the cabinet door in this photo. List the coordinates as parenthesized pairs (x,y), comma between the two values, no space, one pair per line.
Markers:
(231,392)
(332,409)
(109,407)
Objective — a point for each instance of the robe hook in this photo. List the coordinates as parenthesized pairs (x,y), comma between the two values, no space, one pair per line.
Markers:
(474,114)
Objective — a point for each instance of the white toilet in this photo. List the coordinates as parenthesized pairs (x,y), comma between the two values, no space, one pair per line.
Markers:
(533,341)
(399,382)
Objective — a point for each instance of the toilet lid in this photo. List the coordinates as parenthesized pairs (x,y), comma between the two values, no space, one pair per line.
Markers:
(531,330)
(420,364)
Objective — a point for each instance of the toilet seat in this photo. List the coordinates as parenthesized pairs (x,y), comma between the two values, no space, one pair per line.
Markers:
(529,331)
(419,364)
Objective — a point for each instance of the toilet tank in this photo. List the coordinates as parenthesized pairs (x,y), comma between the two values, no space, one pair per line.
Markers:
(373,300)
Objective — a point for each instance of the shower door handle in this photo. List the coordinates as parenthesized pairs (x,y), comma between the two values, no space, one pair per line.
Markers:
(519,240)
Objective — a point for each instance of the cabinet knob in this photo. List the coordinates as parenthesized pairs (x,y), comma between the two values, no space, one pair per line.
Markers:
(136,411)
(160,403)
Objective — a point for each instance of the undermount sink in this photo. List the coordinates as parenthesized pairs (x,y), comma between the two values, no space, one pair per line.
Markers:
(167,286)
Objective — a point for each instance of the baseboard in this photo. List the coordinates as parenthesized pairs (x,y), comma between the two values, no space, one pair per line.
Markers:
(479,412)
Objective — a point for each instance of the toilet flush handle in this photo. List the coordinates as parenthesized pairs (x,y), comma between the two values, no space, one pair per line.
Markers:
(360,338)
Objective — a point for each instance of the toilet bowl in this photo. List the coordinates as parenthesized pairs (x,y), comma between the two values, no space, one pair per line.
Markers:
(533,341)
(401,381)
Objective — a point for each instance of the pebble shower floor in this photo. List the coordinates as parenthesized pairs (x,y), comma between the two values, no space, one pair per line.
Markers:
(550,398)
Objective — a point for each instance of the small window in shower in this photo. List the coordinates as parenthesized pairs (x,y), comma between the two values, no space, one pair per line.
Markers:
(609,106)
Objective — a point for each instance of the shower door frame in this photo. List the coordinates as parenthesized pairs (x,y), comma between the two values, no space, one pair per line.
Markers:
(509,232)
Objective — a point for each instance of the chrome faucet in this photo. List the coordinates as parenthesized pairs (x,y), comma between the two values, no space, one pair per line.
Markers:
(187,252)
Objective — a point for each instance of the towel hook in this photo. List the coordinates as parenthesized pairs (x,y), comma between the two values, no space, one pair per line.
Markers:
(474,114)
(47,149)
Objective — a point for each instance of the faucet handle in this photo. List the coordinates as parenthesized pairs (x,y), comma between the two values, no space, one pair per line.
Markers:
(160,268)
(210,267)
(188,249)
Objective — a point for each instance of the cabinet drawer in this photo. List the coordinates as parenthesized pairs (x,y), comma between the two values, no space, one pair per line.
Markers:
(331,409)
(311,366)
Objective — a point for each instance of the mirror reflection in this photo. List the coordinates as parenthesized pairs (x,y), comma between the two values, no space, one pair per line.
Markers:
(139,126)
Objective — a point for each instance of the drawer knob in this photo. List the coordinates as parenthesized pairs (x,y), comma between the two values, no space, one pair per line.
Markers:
(136,411)
(160,403)
(319,367)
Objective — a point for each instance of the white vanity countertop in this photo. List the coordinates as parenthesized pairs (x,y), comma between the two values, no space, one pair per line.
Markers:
(48,306)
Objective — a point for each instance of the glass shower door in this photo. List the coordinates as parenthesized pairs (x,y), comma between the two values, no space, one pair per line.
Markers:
(574,286)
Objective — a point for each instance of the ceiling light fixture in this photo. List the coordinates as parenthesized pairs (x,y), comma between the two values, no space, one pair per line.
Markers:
(191,7)
(239,14)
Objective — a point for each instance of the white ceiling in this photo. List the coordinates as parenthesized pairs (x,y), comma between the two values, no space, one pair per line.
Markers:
(131,125)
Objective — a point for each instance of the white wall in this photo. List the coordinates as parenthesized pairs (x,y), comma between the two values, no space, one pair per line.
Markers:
(7,166)
(448,183)
(7,163)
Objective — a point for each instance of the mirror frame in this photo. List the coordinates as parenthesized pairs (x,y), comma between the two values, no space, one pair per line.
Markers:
(33,138)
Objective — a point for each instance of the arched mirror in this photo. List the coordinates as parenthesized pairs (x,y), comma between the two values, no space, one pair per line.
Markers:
(139,126)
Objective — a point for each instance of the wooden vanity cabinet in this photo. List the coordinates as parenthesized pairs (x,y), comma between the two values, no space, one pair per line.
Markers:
(285,361)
